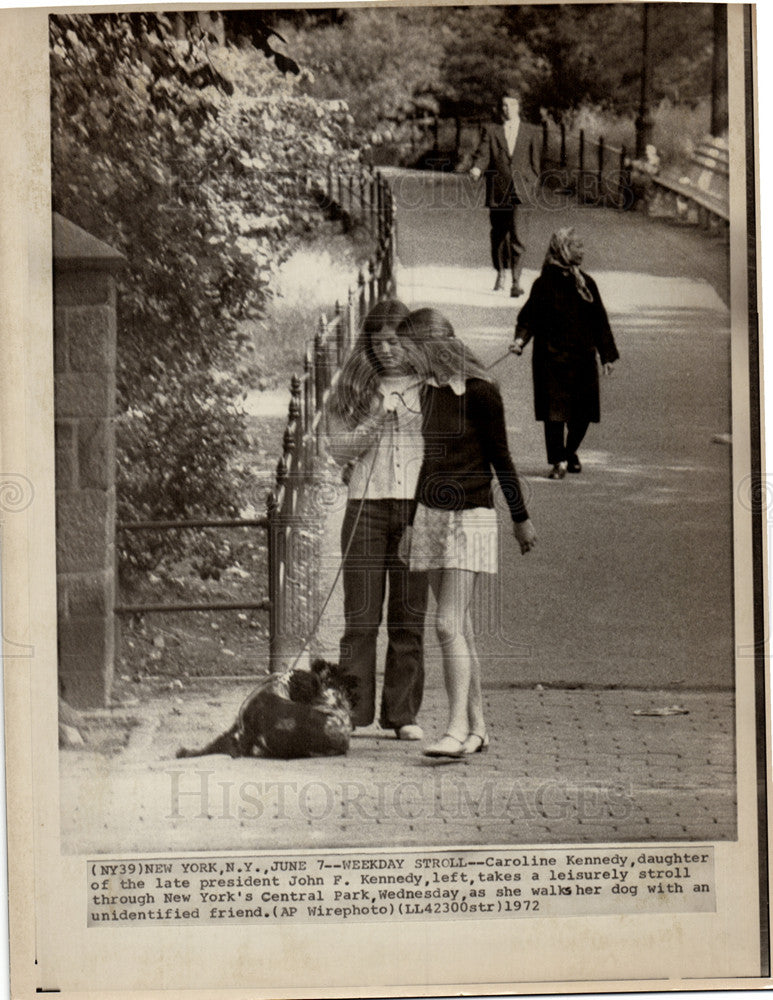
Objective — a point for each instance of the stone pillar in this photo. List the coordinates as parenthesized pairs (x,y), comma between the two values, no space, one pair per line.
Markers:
(84,398)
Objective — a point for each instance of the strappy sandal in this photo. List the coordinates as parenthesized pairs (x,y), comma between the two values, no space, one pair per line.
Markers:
(475,743)
(447,746)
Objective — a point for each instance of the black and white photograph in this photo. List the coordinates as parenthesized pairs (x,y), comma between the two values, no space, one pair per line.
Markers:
(402,419)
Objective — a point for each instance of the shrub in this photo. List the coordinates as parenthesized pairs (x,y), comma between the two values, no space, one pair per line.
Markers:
(199,164)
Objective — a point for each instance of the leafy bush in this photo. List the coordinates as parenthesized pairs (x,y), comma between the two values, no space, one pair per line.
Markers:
(199,164)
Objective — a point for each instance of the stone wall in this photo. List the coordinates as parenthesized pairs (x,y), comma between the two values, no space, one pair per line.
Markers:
(84,387)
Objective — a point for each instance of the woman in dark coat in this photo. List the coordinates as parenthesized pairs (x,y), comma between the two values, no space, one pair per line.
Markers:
(565,317)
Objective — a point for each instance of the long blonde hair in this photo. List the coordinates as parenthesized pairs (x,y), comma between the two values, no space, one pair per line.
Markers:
(440,354)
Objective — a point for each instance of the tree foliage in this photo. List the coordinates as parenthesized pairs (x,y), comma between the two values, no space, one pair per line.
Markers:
(384,62)
(390,63)
(592,53)
(199,164)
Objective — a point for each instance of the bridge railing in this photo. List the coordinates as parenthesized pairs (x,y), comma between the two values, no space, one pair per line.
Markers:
(293,509)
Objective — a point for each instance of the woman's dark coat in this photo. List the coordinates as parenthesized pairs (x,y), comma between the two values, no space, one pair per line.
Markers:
(567,331)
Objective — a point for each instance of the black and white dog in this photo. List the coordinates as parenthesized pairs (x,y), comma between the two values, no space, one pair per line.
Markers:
(299,713)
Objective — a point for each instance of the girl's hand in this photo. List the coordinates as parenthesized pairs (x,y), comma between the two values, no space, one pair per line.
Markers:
(517,346)
(608,368)
(525,535)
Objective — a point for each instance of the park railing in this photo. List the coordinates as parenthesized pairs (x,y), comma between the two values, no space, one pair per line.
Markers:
(572,162)
(293,507)
(595,172)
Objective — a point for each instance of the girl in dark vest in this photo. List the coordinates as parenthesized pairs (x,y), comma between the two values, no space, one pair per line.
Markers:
(454,533)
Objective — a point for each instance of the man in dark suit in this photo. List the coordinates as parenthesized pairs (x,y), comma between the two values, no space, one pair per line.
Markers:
(507,158)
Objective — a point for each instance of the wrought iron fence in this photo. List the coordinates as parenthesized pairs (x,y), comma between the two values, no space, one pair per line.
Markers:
(590,169)
(294,513)
(292,510)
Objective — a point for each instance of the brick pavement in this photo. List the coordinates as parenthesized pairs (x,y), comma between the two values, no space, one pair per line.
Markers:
(564,766)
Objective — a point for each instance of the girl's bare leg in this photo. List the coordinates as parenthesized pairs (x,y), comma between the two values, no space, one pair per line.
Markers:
(475,720)
(453,590)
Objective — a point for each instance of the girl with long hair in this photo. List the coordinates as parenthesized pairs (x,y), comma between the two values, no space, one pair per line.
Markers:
(454,534)
(374,431)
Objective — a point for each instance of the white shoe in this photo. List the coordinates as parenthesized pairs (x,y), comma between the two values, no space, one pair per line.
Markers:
(410,732)
(446,746)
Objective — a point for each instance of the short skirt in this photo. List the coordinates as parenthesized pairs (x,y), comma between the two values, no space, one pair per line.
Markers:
(455,539)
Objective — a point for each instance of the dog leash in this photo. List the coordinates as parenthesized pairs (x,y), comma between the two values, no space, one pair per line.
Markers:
(344,556)
(498,361)
(350,541)
(414,385)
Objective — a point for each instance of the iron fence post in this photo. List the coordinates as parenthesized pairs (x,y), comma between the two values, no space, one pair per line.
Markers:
(622,181)
(601,196)
(308,390)
(380,208)
(372,294)
(340,334)
(361,294)
(351,313)
(295,419)
(319,364)
(273,581)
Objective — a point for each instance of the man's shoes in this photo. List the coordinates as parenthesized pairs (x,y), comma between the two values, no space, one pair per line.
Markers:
(515,290)
(558,471)
(410,732)
(573,464)
(499,284)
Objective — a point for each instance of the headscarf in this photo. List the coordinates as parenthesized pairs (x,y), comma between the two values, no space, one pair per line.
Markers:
(564,253)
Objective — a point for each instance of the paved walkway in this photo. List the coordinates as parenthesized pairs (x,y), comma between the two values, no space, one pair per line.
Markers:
(564,766)
(631,584)
(625,608)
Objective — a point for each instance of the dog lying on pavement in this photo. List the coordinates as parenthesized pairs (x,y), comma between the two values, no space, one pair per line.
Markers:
(299,713)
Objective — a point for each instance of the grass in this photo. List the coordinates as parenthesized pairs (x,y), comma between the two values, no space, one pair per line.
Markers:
(309,283)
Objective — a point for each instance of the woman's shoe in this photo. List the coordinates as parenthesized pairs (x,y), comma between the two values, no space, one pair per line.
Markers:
(447,746)
(573,465)
(558,471)
(475,743)
(410,731)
